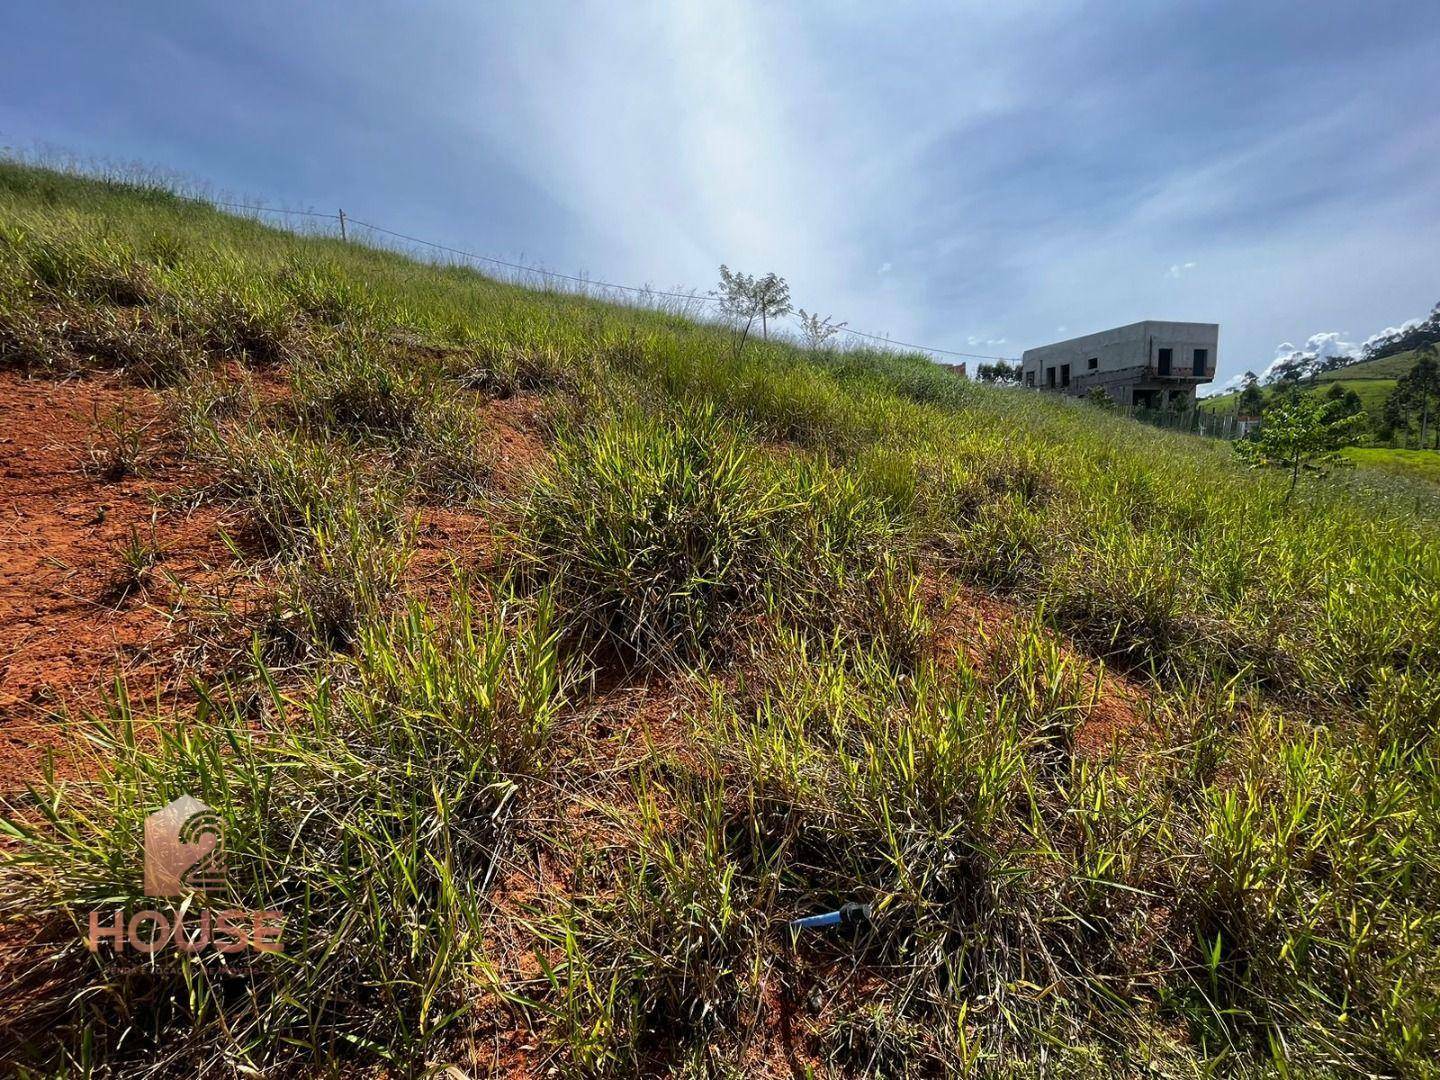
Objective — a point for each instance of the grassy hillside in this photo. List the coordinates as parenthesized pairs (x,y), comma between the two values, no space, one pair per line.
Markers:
(1133,763)
(1386,368)
(1414,464)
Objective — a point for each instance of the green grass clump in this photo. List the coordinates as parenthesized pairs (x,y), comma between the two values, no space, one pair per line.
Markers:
(362,392)
(653,532)
(349,568)
(63,267)
(374,815)
(666,537)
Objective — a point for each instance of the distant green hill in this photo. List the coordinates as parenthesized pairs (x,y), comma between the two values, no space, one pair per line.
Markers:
(1372,380)
(1386,367)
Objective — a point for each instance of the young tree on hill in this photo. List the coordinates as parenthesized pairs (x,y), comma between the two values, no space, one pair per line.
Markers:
(747,298)
(1424,383)
(1396,415)
(1349,400)
(817,331)
(1303,434)
(1285,392)
(1252,398)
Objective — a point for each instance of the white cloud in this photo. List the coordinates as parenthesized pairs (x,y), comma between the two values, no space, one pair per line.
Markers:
(1318,348)
(885,268)
(1390,332)
(1179,268)
(1232,383)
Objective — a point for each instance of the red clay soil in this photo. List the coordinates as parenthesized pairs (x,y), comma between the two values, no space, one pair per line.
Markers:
(66,630)
(1114,723)
(450,539)
(514,426)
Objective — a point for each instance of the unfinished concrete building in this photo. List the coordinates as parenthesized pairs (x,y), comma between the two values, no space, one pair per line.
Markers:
(1148,365)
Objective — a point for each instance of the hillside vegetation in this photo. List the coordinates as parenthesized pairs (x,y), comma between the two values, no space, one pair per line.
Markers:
(1134,764)
(1373,381)
(1382,368)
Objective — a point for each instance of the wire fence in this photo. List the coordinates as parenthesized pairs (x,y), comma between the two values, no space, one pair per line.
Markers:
(1192,419)
(547,278)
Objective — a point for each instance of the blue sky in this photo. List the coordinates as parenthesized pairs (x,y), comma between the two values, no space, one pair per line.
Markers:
(976,176)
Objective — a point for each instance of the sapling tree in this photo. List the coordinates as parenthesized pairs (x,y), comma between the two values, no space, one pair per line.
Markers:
(818,331)
(1252,398)
(1413,391)
(1305,434)
(1424,380)
(1349,400)
(746,298)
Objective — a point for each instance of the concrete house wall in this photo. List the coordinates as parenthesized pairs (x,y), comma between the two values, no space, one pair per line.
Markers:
(1128,363)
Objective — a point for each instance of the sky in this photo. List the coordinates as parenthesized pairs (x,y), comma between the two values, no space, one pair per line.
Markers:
(981,177)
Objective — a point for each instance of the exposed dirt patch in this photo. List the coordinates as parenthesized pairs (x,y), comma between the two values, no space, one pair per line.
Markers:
(980,626)
(516,425)
(74,612)
(1118,722)
(469,539)
(449,541)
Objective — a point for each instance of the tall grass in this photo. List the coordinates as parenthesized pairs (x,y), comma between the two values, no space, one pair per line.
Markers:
(668,537)
(374,815)
(1251,890)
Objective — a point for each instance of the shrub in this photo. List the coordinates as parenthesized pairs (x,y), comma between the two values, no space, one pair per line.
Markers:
(653,532)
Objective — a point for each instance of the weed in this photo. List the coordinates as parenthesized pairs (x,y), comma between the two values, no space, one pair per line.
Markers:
(200,404)
(145,346)
(84,268)
(137,558)
(364,393)
(118,445)
(242,320)
(344,574)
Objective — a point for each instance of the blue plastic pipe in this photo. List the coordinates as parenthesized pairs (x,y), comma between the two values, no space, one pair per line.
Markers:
(811,922)
(847,914)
